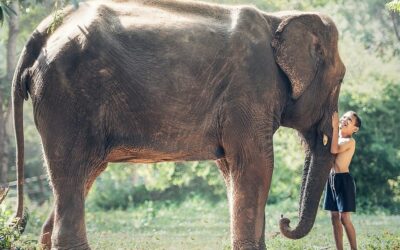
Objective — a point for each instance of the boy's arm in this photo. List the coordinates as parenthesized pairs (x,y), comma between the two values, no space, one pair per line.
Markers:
(337,148)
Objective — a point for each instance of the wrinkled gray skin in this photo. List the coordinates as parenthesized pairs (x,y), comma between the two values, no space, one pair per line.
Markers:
(155,81)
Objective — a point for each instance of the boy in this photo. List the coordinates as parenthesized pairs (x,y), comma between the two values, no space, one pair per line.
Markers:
(340,189)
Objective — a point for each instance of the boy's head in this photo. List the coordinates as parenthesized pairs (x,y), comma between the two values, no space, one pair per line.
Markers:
(349,123)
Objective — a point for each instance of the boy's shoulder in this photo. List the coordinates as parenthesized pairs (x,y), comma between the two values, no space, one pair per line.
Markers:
(347,141)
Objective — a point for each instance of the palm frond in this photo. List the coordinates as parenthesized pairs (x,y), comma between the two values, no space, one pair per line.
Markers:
(5,10)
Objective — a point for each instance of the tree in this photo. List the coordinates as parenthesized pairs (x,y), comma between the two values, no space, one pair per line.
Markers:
(380,25)
(11,10)
(376,161)
(5,106)
(394,6)
(7,10)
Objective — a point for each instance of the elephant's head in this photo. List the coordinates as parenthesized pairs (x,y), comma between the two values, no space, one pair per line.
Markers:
(305,47)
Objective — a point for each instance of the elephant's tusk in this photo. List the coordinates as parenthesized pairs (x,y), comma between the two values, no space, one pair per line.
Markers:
(325,140)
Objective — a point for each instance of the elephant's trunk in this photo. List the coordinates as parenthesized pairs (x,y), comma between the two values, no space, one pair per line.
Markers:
(306,168)
(318,163)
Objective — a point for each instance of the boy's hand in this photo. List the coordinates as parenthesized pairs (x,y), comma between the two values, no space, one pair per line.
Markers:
(335,120)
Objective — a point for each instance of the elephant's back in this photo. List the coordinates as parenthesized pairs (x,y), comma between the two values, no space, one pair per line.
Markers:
(136,43)
(163,14)
(146,52)
(133,55)
(116,17)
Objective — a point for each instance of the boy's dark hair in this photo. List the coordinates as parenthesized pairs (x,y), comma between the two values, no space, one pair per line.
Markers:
(358,119)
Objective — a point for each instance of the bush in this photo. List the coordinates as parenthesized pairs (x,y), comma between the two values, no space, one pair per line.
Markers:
(9,233)
(376,163)
(122,186)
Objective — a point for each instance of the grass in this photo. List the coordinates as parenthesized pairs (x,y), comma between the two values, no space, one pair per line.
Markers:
(197,224)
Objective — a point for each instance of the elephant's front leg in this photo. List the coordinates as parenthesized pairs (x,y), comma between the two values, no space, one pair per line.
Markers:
(249,192)
(249,179)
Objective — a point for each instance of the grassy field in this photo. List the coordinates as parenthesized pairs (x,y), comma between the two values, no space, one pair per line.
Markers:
(196,224)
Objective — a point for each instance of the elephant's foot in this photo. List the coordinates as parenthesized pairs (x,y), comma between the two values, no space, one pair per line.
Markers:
(83,246)
(45,241)
(47,230)
(248,245)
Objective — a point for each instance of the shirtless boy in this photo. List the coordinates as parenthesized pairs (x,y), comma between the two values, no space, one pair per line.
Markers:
(340,189)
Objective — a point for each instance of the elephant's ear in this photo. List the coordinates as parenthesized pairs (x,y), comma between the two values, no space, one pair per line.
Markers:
(297,49)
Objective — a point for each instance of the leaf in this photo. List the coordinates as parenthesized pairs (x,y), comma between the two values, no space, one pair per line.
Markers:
(394,6)
(9,11)
(1,15)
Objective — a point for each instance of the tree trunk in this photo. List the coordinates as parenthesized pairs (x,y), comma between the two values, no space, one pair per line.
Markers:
(3,145)
(13,29)
(396,23)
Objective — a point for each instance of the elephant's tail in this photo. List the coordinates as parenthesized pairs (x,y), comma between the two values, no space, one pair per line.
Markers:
(18,101)
(20,89)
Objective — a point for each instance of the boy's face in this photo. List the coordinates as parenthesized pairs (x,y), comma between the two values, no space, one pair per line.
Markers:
(347,124)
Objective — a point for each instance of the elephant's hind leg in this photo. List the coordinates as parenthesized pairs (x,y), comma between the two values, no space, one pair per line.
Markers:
(47,229)
(69,231)
(71,181)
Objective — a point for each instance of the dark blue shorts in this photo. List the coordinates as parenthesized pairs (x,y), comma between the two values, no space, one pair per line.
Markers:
(340,193)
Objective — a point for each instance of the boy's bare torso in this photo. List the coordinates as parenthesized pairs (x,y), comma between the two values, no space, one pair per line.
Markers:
(343,159)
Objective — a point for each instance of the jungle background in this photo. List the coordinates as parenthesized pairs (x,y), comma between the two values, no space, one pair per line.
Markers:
(183,205)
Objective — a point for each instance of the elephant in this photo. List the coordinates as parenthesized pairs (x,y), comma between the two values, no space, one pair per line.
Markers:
(151,81)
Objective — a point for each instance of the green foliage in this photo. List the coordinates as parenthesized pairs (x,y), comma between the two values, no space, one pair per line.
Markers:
(114,189)
(371,24)
(286,179)
(125,185)
(376,164)
(9,234)
(394,5)
(57,20)
(57,16)
(277,5)
(6,10)
(385,241)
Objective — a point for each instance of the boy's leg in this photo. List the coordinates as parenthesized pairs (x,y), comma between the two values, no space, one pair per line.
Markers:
(337,230)
(350,231)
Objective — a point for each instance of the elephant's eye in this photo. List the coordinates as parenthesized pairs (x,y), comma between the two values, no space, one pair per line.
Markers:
(341,80)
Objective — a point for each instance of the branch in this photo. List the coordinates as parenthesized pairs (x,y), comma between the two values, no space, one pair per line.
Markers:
(3,194)
(7,11)
(395,21)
